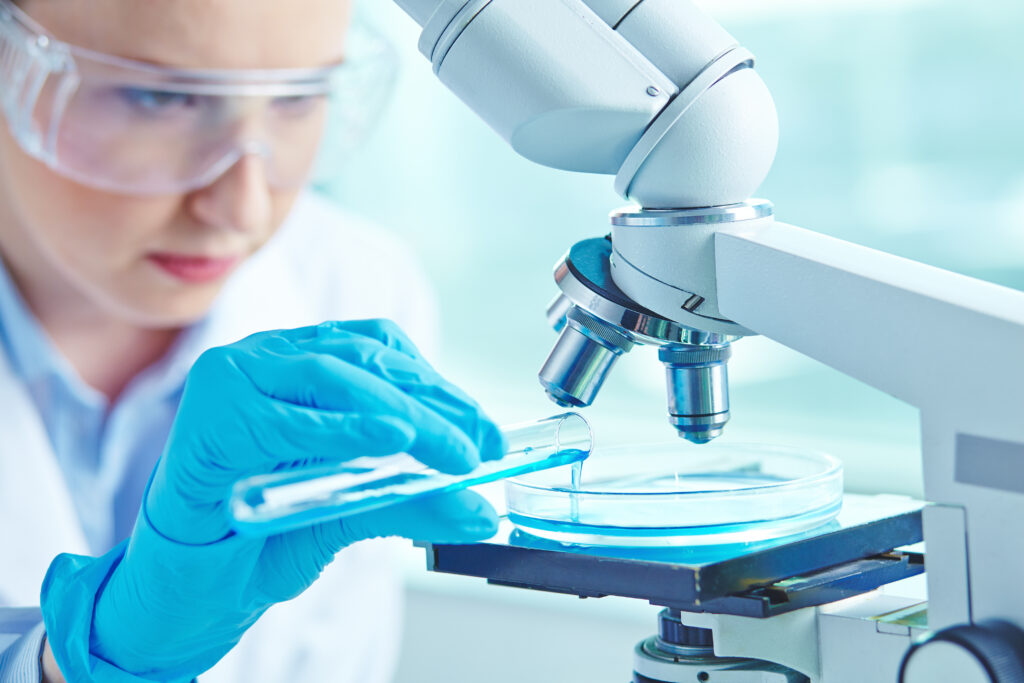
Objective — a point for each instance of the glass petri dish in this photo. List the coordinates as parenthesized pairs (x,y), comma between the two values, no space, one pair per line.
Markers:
(679,495)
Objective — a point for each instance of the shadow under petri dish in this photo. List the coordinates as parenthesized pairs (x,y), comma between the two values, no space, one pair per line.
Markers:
(679,494)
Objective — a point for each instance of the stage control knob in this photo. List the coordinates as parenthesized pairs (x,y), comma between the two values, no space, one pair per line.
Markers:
(989,652)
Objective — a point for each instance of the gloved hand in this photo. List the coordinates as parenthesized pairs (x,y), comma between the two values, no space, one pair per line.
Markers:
(182,592)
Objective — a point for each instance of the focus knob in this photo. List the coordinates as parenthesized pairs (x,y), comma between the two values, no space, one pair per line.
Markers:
(673,632)
(989,652)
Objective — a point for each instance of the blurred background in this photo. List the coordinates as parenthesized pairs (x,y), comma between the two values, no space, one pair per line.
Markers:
(900,130)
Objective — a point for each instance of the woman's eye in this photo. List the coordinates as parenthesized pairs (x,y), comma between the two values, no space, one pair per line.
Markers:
(156,101)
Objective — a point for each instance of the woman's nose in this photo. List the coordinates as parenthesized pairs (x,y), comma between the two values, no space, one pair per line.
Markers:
(237,200)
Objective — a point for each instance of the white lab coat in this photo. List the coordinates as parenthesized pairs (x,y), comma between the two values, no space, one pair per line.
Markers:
(321,265)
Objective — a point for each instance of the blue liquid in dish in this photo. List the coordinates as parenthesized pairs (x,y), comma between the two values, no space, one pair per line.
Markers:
(662,503)
(609,533)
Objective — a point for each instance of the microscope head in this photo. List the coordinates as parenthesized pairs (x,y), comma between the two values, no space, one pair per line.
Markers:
(578,85)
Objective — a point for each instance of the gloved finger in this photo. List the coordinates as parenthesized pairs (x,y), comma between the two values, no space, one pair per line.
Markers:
(385,332)
(280,435)
(456,517)
(328,383)
(416,379)
(358,341)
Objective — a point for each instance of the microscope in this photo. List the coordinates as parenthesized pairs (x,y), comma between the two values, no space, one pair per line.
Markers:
(657,94)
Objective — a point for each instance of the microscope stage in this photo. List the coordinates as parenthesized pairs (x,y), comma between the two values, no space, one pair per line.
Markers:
(855,553)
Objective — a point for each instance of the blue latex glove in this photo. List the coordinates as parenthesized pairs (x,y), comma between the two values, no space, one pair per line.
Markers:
(180,594)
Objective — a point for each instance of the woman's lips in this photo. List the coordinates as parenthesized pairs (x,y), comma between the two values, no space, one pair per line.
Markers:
(194,269)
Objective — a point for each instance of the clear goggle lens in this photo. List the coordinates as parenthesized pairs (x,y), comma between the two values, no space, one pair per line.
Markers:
(133,128)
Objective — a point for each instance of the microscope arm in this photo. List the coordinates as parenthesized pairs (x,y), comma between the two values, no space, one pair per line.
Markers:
(937,340)
(951,345)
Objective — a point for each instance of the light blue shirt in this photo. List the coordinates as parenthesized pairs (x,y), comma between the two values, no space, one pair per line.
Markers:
(19,655)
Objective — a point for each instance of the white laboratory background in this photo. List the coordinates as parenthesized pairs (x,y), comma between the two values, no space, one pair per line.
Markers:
(901,129)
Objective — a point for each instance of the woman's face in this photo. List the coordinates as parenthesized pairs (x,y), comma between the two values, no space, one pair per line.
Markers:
(155,261)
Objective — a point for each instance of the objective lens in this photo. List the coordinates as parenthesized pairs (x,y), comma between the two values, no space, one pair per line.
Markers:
(585,352)
(698,389)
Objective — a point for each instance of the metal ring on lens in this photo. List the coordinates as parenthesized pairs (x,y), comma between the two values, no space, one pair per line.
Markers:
(749,210)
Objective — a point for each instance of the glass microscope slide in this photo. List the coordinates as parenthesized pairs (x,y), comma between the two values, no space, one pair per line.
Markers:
(274,503)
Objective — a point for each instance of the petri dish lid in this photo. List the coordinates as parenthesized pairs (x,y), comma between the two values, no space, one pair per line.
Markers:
(677,494)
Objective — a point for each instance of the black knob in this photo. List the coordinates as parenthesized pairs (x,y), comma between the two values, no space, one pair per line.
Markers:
(672,631)
(996,646)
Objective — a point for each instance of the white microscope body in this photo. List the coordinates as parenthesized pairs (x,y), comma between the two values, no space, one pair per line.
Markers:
(656,93)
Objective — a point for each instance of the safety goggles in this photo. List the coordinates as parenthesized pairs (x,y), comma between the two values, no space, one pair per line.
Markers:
(134,128)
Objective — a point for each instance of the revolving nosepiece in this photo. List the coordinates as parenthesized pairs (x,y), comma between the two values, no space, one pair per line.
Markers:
(698,389)
(585,352)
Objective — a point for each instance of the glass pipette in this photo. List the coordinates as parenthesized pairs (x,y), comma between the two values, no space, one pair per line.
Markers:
(278,502)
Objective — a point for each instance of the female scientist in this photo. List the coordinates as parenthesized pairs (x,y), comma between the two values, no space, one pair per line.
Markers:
(151,215)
